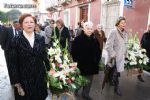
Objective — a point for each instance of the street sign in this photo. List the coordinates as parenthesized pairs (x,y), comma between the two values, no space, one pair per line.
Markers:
(128,3)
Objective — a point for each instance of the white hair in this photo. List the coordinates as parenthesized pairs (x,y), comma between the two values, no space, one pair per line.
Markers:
(88,24)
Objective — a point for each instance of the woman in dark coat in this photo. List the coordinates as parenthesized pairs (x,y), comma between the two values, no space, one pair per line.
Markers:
(85,51)
(28,71)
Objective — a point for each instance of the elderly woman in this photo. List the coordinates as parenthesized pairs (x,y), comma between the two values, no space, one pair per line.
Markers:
(116,46)
(85,51)
(29,62)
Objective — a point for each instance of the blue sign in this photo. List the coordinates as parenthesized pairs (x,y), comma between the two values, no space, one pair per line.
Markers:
(128,3)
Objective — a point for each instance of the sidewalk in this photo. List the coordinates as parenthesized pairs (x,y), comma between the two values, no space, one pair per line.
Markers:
(5,88)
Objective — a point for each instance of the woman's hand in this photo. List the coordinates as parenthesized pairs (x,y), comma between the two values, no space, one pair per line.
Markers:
(20,89)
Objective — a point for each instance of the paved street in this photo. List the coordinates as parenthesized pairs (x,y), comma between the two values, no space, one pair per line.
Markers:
(132,89)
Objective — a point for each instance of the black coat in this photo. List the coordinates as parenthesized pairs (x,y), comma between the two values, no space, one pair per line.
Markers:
(63,36)
(85,51)
(3,36)
(145,42)
(28,67)
(8,35)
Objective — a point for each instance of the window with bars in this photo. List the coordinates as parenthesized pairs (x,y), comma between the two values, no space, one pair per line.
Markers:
(84,13)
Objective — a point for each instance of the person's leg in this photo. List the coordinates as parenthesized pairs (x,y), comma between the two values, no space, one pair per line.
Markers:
(86,89)
(140,78)
(116,84)
(114,80)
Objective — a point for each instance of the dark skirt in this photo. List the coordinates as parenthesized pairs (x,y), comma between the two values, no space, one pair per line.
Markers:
(33,91)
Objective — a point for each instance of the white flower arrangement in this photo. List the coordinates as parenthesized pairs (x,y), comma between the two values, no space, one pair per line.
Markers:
(136,55)
(64,74)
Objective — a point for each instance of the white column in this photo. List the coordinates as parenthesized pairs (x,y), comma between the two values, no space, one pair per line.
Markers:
(76,18)
(149,17)
(69,17)
(89,11)
(121,7)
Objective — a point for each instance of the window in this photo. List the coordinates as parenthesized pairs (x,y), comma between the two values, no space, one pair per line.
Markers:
(84,13)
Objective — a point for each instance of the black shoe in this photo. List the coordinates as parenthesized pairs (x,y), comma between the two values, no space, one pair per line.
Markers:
(117,91)
(140,78)
(86,97)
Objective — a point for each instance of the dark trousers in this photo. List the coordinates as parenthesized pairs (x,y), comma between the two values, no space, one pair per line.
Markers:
(86,89)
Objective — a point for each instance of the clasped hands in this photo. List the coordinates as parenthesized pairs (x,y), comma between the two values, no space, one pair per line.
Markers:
(20,89)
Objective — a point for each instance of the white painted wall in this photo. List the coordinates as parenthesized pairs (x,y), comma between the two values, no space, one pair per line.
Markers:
(67,17)
(149,17)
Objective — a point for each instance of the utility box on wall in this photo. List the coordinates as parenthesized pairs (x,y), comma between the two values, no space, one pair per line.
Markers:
(128,3)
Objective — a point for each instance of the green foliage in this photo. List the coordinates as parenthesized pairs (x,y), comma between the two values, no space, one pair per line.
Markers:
(3,17)
(57,86)
(13,14)
(9,16)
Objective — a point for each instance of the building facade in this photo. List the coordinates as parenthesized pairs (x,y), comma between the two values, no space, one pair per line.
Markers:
(105,12)
(138,16)
(73,11)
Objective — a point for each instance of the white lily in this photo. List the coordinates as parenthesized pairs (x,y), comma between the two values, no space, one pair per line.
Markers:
(58,51)
(140,61)
(54,44)
(58,59)
(53,66)
(51,51)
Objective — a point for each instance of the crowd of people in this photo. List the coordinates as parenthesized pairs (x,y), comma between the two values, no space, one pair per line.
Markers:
(25,45)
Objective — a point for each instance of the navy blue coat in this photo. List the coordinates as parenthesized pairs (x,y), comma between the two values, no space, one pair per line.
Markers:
(28,67)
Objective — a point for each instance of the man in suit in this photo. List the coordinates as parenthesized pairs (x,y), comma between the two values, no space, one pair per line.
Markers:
(15,29)
(10,33)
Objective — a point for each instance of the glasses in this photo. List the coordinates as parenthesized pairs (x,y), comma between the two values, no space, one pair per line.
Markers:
(52,23)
